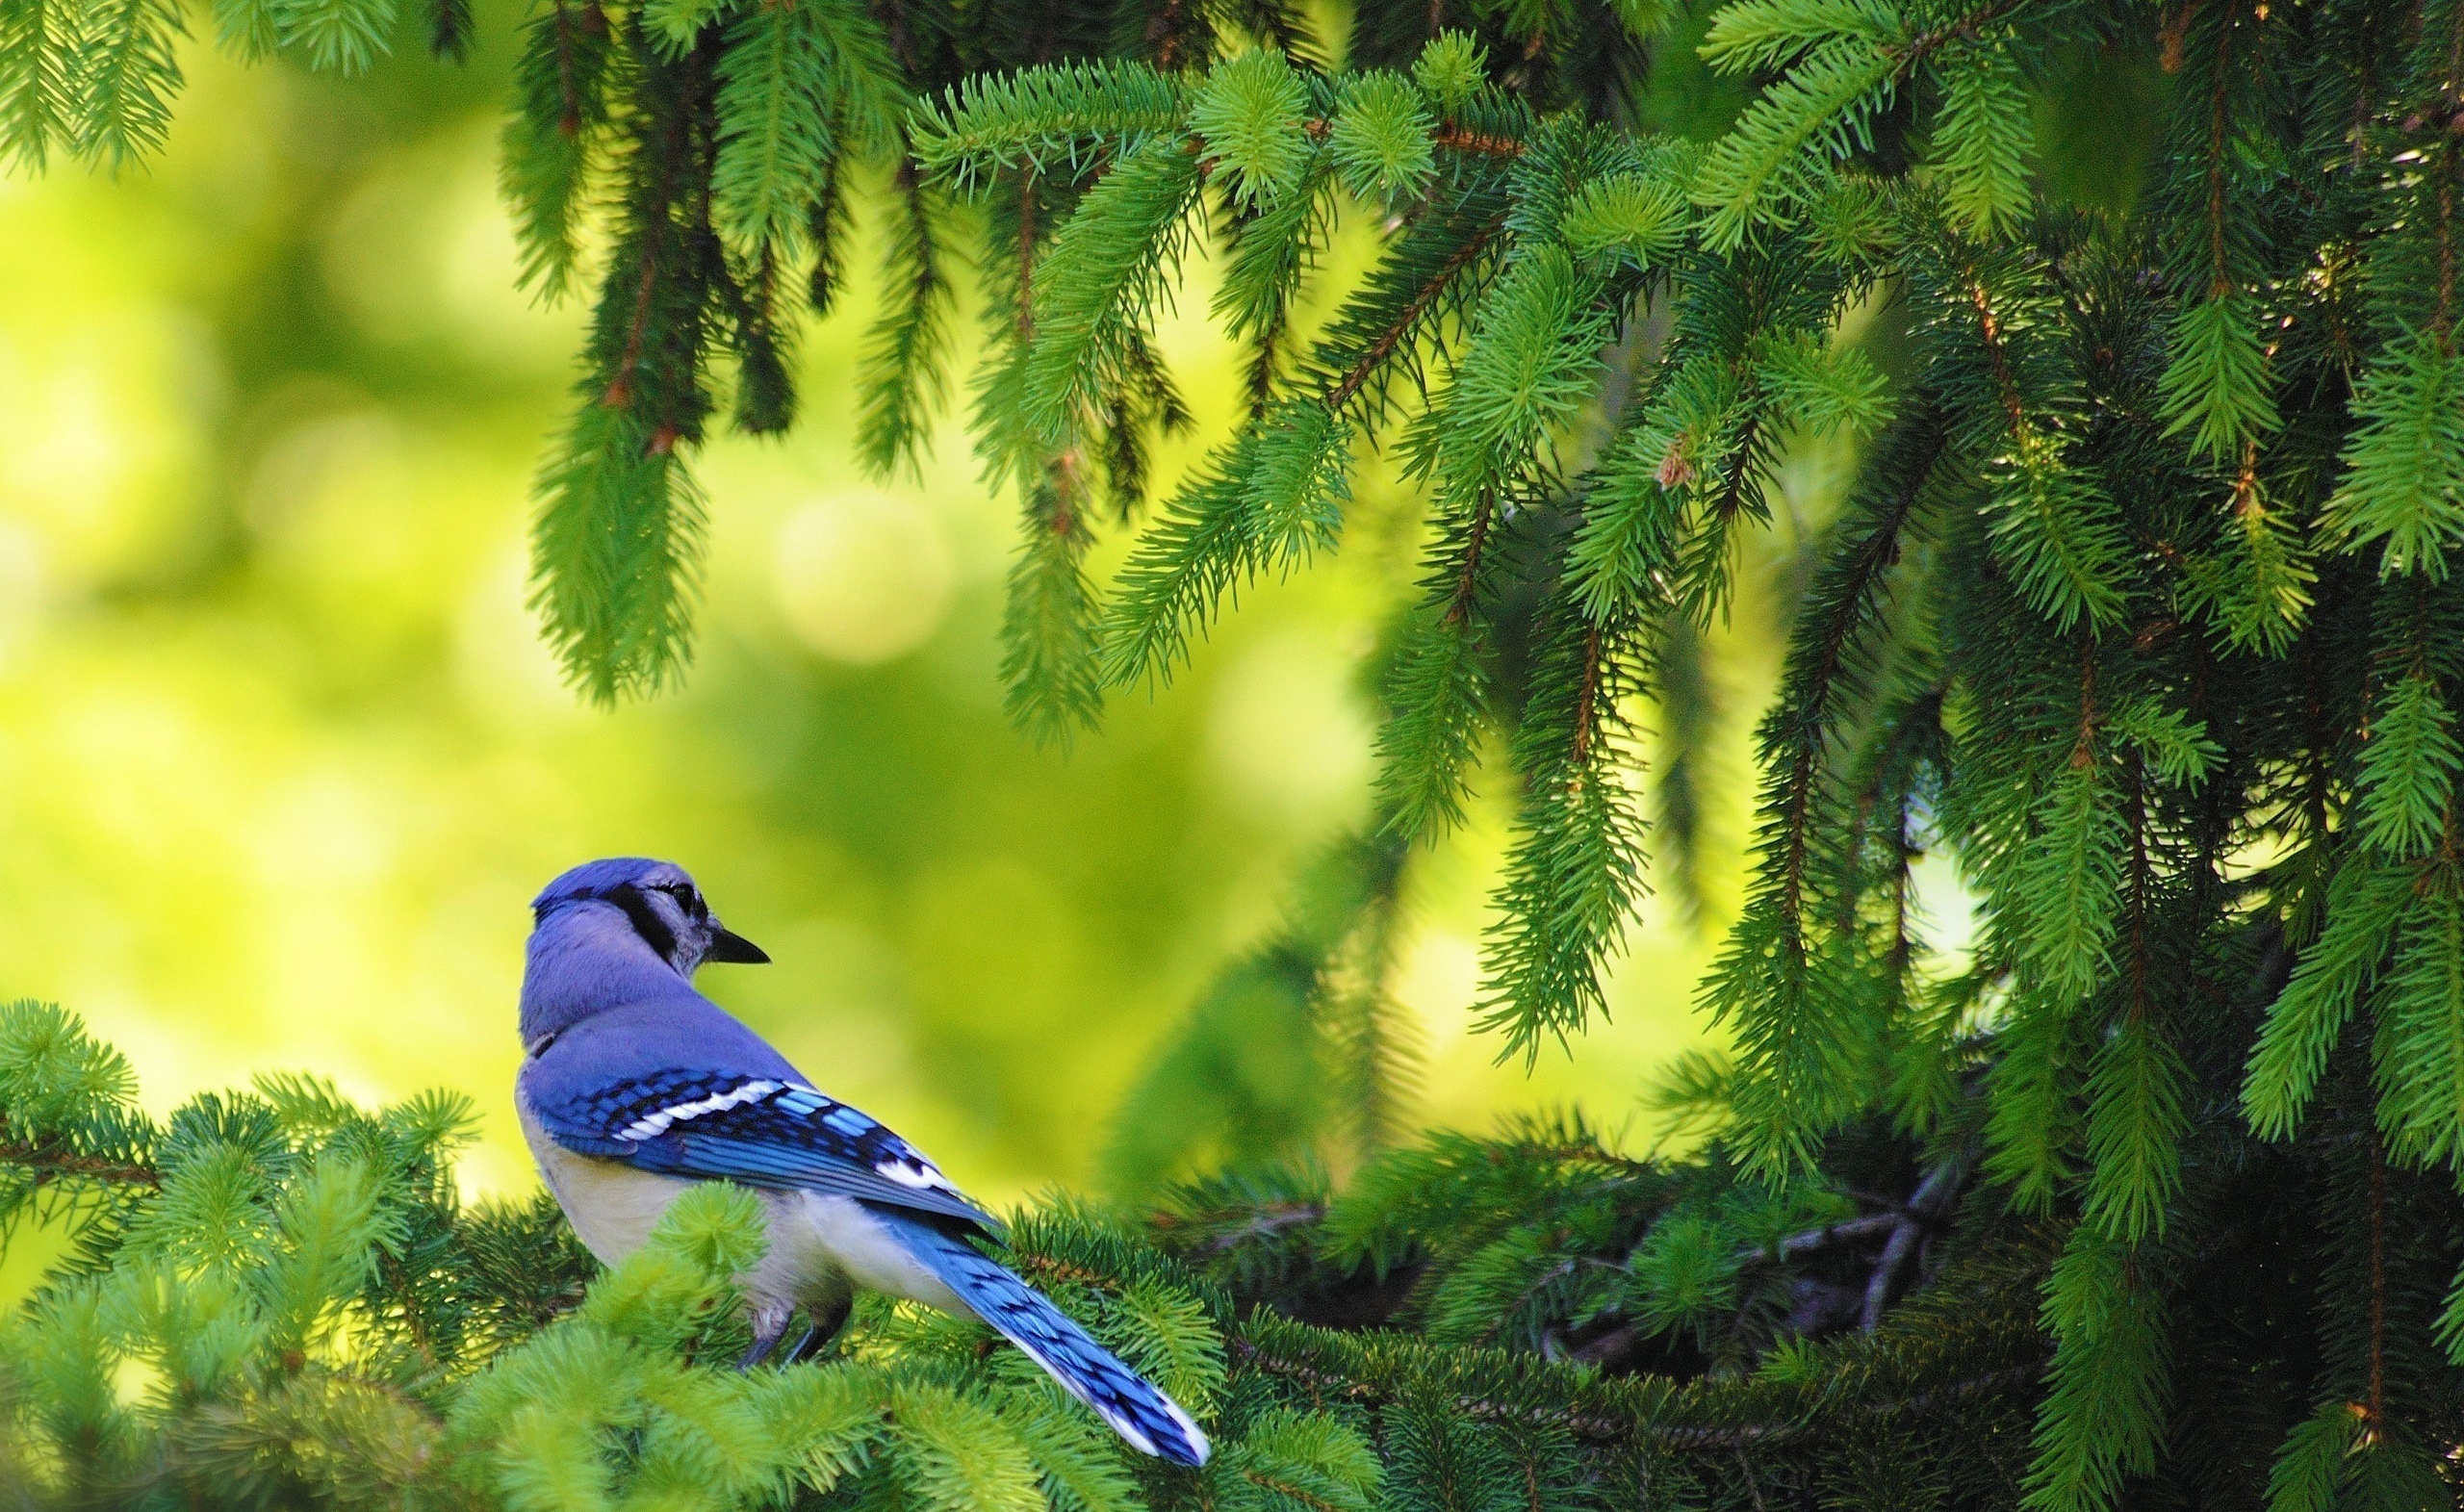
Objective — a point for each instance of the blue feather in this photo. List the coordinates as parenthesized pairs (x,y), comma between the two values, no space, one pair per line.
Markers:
(1150,1420)
(789,1136)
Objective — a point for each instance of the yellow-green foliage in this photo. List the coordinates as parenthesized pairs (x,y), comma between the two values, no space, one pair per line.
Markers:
(2138,609)
(281,1300)
(277,1302)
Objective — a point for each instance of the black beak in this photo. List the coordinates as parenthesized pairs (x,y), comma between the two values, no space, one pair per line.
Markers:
(727,945)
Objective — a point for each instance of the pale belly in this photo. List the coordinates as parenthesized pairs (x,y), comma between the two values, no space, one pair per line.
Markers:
(820,1248)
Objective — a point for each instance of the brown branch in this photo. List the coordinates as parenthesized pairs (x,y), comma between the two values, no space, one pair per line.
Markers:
(1741,457)
(655,204)
(1610,1427)
(1539,1283)
(2140,874)
(1263,366)
(1349,387)
(1164,35)
(1753,1487)
(51,1163)
(619,392)
(1903,948)
(1934,1193)
(902,39)
(1459,609)
(2170,35)
(1983,1384)
(2443,321)
(2083,751)
(568,92)
(1586,715)
(1904,1237)
(1966,29)
(1463,139)
(1989,330)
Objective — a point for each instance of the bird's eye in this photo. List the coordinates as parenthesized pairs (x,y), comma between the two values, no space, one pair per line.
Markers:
(686,897)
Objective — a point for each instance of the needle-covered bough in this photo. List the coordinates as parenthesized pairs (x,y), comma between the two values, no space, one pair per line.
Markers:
(2138,606)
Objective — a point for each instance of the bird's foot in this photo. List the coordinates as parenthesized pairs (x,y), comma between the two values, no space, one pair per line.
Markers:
(768,1328)
(762,1345)
(768,1331)
(825,1327)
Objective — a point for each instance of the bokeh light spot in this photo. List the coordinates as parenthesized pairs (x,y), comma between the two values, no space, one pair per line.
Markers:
(863,577)
(1286,731)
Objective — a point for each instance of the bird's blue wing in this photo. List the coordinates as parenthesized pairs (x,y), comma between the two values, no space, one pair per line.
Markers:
(763,1131)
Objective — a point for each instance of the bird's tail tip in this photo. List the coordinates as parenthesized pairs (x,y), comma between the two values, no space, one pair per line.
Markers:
(1189,1448)
(1133,1408)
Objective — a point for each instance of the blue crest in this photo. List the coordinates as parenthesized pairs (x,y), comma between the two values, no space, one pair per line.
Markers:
(598,878)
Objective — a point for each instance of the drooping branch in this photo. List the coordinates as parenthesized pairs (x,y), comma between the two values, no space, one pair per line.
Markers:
(1407,321)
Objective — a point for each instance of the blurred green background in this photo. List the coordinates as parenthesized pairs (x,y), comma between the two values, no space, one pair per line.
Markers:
(281,761)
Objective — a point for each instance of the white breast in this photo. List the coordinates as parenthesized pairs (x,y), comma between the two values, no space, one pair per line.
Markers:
(612,1206)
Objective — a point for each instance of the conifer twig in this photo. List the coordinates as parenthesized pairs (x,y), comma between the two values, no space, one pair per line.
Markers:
(1598,1426)
(49,1162)
(1348,386)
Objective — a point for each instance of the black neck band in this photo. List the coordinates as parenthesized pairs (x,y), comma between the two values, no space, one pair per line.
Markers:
(645,919)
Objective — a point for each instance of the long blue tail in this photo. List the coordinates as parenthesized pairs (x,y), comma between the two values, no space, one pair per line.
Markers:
(1151,1422)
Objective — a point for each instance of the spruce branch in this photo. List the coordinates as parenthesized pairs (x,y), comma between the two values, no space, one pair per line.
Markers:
(904,375)
(46,1161)
(1958,1366)
(2110,1378)
(338,36)
(1573,873)
(449,35)
(793,80)
(126,72)
(39,46)
(546,151)
(1365,360)
(1770,981)
(616,545)
(1210,540)
(1102,281)
(1049,653)
(2403,481)
(1059,118)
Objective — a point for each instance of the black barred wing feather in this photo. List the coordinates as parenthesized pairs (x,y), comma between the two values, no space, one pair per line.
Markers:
(760,1131)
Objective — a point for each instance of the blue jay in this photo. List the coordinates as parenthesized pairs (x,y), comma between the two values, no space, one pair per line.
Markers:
(633,1087)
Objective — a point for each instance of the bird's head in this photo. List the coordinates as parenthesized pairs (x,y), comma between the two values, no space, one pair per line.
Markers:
(660,902)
